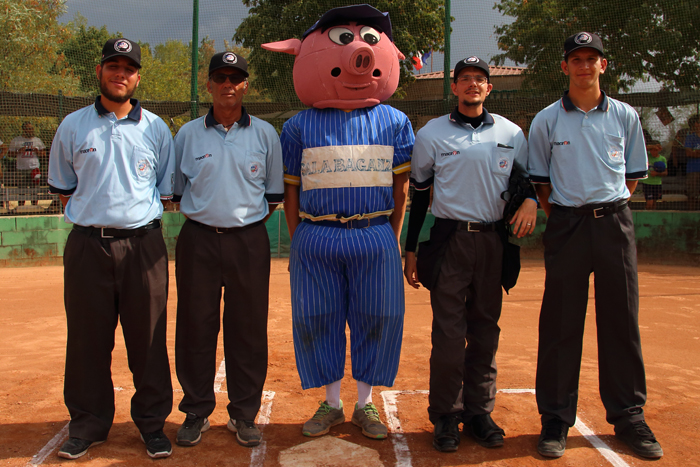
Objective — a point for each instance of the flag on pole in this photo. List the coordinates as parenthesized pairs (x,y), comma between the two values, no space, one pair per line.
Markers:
(426,56)
(417,62)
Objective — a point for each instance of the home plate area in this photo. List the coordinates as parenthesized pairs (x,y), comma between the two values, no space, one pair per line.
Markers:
(331,451)
(410,436)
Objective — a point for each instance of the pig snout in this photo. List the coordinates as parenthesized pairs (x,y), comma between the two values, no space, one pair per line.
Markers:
(358,60)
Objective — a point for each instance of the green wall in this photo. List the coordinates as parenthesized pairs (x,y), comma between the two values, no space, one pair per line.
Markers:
(671,236)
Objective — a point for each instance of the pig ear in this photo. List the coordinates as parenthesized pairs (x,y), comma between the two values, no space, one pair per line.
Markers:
(398,52)
(290,46)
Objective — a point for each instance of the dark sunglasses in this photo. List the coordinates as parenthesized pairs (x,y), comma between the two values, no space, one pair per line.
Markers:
(220,78)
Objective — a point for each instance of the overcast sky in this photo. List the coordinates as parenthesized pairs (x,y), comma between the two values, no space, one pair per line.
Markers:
(155,21)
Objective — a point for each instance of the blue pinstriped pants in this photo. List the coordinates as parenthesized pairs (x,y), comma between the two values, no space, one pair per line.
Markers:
(346,275)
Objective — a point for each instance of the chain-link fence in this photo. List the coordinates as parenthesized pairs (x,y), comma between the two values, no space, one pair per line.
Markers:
(53,46)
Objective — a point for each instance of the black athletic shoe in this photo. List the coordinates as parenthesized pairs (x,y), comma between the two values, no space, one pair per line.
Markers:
(641,439)
(190,432)
(446,434)
(552,441)
(485,431)
(76,447)
(247,434)
(157,444)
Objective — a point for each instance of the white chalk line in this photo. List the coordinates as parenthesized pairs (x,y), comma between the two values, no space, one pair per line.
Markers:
(598,443)
(41,456)
(257,455)
(220,376)
(401,449)
(403,452)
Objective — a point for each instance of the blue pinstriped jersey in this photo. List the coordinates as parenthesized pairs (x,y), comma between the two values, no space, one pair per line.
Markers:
(344,161)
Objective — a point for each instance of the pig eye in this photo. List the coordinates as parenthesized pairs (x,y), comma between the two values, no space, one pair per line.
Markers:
(370,35)
(341,36)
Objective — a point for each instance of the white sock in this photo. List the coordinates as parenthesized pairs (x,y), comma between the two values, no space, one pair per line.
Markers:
(333,395)
(364,394)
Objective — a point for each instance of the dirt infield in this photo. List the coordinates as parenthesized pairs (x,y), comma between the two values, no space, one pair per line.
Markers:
(32,413)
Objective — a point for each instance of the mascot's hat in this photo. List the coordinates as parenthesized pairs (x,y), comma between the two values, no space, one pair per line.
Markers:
(365,14)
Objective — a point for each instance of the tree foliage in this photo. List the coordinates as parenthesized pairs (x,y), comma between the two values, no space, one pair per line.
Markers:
(167,70)
(31,40)
(643,39)
(83,50)
(417,27)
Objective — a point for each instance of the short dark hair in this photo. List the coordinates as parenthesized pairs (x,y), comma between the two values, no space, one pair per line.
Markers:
(693,119)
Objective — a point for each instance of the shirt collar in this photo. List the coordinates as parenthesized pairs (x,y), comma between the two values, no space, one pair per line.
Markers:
(455,118)
(568,105)
(210,121)
(134,113)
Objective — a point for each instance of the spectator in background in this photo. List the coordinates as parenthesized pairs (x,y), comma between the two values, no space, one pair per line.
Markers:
(2,155)
(657,169)
(676,164)
(692,154)
(27,149)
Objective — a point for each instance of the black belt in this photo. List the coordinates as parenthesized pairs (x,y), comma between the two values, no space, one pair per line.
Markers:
(595,210)
(355,224)
(107,232)
(471,226)
(225,230)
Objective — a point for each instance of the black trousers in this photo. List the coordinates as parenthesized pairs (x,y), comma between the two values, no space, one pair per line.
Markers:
(576,245)
(466,302)
(107,280)
(205,262)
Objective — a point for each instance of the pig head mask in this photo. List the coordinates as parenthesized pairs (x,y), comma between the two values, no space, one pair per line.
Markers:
(347,60)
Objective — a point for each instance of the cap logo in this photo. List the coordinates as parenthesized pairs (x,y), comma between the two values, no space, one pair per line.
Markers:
(122,46)
(583,38)
(229,58)
(471,60)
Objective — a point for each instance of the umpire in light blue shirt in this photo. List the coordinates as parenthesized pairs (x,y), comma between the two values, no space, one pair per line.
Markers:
(229,179)
(587,153)
(112,163)
(467,157)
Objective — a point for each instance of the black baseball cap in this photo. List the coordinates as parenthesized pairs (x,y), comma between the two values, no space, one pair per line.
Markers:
(582,40)
(228,60)
(121,47)
(471,61)
(365,14)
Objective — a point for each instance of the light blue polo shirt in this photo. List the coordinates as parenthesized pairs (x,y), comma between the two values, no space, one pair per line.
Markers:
(587,156)
(692,141)
(116,171)
(468,167)
(227,178)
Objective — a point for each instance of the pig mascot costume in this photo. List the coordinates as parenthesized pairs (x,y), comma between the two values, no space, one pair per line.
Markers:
(347,161)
